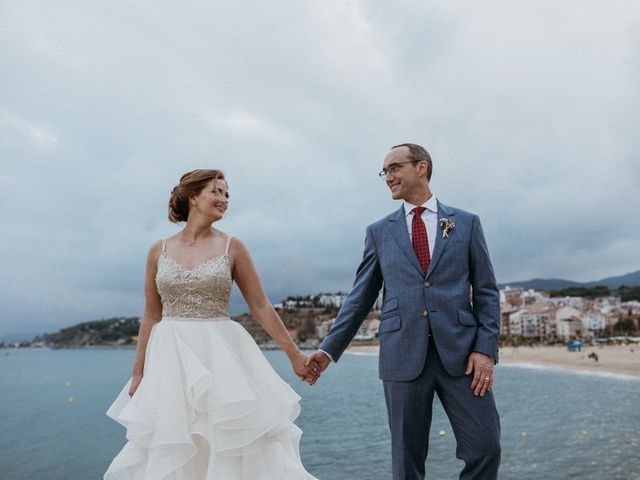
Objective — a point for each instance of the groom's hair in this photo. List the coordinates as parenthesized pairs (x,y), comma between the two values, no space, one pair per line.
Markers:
(418,154)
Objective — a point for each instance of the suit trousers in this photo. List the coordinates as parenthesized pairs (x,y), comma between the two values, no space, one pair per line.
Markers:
(474,421)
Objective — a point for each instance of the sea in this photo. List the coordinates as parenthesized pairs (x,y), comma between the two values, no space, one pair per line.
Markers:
(555,424)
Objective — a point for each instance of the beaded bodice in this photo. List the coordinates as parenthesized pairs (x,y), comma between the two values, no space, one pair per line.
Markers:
(200,292)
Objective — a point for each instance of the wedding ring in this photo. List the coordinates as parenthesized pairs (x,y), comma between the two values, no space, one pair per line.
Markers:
(486,379)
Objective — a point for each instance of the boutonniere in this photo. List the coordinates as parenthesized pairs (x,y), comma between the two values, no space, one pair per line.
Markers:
(446,225)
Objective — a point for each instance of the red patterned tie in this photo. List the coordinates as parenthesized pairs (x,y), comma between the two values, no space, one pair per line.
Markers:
(419,238)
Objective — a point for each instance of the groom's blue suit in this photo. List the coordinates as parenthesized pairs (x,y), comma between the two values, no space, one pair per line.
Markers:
(430,325)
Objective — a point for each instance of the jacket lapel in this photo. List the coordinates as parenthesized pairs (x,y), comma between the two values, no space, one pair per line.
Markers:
(441,243)
(398,228)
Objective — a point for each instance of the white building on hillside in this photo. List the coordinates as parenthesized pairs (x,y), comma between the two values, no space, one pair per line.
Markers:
(531,297)
(569,323)
(506,309)
(515,323)
(632,306)
(593,323)
(575,302)
(368,330)
(331,300)
(538,320)
(324,328)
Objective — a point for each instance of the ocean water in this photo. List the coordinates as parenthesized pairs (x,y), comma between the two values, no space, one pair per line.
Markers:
(577,426)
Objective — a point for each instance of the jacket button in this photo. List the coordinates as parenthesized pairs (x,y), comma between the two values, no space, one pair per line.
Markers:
(427,284)
(425,312)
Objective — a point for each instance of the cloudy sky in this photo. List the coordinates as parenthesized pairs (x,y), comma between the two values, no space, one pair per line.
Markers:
(529,109)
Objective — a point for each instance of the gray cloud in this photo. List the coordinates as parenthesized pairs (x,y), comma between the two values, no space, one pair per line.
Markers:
(527,109)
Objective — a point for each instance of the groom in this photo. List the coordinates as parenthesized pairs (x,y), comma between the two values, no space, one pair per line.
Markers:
(440,320)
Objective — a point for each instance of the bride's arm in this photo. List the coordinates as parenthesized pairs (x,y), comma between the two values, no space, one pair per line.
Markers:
(246,277)
(151,315)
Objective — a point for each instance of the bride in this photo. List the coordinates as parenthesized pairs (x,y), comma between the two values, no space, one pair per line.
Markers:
(203,402)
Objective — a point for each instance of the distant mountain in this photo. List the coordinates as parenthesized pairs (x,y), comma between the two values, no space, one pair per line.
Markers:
(121,331)
(113,331)
(542,284)
(629,279)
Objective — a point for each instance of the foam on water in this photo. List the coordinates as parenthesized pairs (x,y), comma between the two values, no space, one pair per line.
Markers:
(363,354)
(536,366)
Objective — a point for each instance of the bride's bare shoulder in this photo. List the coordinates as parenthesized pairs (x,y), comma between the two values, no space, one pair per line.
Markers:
(169,240)
(154,251)
(238,252)
(236,245)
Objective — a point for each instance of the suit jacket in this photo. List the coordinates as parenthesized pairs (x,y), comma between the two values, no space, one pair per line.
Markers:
(457,300)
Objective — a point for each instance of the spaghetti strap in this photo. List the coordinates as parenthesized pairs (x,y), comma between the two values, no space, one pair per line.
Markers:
(164,245)
(226,250)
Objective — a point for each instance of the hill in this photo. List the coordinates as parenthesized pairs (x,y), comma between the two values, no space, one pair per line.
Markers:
(613,283)
(122,331)
(112,331)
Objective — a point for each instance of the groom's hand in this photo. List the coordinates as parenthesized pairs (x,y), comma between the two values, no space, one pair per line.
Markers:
(482,367)
(321,359)
(306,369)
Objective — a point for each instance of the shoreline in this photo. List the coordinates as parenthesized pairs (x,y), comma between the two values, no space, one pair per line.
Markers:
(622,361)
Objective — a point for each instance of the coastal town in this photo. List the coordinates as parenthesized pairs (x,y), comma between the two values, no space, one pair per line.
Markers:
(531,314)
(527,316)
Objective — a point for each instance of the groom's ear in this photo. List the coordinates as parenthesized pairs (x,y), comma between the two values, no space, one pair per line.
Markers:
(423,169)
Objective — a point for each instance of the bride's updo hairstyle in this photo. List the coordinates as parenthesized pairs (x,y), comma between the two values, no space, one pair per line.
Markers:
(191,184)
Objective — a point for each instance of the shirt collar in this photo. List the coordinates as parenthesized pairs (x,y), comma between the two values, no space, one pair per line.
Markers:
(431,205)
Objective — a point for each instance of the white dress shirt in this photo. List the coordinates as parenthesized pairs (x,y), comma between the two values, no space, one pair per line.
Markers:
(429,217)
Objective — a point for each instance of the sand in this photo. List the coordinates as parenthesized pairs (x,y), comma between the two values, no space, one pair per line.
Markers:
(612,359)
(617,359)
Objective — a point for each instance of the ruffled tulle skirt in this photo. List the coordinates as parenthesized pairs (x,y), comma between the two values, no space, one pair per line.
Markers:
(209,406)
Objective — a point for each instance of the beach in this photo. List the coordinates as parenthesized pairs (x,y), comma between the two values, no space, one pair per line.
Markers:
(612,359)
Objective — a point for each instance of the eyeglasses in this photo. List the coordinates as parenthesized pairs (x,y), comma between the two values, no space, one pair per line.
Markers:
(393,168)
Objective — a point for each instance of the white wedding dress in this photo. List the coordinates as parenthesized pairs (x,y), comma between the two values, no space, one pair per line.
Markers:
(209,406)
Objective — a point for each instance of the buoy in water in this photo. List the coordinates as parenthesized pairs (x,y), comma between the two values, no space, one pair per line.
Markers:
(442,433)
(71,400)
(583,433)
(524,434)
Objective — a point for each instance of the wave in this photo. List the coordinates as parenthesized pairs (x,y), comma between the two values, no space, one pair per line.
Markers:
(363,354)
(591,373)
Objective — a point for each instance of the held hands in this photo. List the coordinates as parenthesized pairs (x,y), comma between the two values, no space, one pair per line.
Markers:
(320,360)
(305,368)
(310,368)
(482,367)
